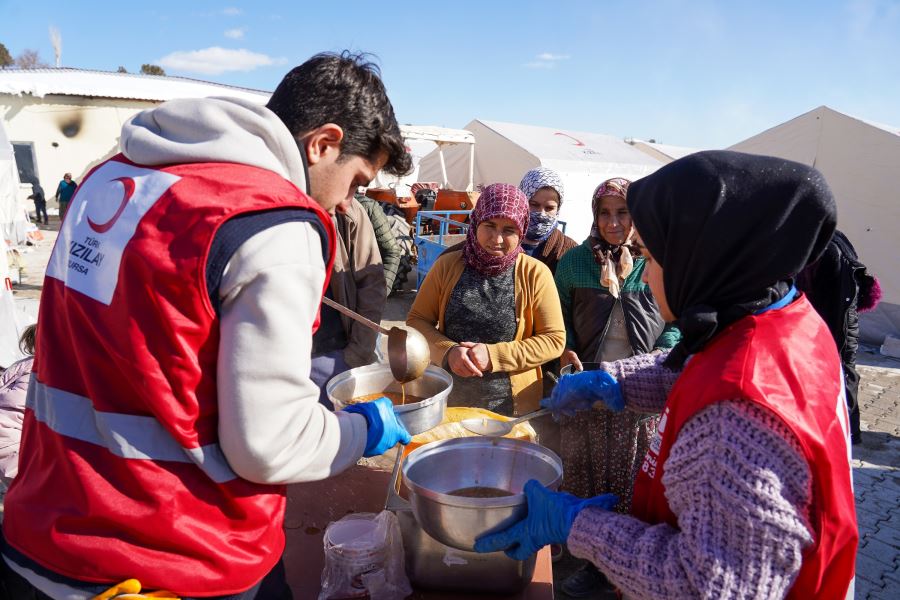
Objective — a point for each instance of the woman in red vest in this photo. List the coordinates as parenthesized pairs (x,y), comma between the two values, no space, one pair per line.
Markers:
(746,492)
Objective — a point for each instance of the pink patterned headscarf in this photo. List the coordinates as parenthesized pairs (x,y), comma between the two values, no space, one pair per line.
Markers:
(498,200)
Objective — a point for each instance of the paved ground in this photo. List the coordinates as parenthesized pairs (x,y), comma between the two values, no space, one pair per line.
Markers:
(876,462)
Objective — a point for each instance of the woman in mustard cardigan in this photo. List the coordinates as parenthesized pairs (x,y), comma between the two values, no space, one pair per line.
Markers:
(490,312)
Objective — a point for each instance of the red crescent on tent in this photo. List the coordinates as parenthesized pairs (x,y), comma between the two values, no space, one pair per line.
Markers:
(128,184)
(577,141)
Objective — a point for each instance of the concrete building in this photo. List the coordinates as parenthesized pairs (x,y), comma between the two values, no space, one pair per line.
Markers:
(68,120)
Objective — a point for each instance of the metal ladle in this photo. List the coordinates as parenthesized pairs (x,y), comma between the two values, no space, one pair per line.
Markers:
(496,427)
(408,351)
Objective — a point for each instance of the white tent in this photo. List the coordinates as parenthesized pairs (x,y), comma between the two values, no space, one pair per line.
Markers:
(421,140)
(506,151)
(662,152)
(12,213)
(861,162)
(9,186)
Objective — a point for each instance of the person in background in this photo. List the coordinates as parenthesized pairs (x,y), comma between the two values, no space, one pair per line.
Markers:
(839,287)
(357,283)
(13,388)
(746,491)
(160,449)
(544,241)
(40,203)
(609,314)
(388,247)
(490,312)
(64,192)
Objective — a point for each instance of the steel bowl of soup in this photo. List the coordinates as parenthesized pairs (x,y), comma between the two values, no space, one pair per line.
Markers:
(460,489)
(418,404)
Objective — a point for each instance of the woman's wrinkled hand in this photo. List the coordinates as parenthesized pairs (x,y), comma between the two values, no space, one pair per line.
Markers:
(479,355)
(461,363)
(569,357)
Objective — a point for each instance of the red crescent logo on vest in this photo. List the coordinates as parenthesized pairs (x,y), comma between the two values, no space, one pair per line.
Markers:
(577,141)
(128,184)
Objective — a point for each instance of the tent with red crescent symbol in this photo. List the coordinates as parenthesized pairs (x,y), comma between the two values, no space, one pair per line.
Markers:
(506,151)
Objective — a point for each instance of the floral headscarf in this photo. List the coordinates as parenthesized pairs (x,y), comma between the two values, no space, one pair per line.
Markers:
(540,224)
(616,262)
(498,200)
(541,177)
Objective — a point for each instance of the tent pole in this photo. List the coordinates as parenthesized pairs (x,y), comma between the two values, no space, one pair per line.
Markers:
(471,169)
(443,166)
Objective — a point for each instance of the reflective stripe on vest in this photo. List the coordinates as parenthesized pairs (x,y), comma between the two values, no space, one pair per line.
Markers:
(129,436)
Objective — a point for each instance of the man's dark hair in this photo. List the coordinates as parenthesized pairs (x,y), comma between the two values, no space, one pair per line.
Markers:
(344,89)
(27,339)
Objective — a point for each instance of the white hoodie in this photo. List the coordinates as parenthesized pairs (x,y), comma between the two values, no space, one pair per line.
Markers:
(272,428)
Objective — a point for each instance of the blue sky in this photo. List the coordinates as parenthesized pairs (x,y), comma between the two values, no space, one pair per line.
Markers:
(694,73)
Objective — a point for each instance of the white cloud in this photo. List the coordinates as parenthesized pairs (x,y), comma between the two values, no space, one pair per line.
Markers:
(215,60)
(235,34)
(546,60)
(232,11)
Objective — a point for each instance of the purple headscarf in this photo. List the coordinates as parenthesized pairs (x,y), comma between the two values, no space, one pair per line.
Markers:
(498,200)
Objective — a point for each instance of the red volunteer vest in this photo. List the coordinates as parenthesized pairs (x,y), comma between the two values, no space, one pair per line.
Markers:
(785,361)
(121,474)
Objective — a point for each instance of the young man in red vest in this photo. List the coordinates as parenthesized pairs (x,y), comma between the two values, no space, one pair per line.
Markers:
(746,491)
(185,288)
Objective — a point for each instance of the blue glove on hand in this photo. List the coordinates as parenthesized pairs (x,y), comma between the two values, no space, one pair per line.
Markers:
(549,520)
(385,430)
(579,391)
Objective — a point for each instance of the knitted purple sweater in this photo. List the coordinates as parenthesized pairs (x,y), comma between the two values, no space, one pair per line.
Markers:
(740,487)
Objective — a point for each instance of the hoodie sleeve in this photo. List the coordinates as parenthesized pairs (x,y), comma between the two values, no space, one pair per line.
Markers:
(272,428)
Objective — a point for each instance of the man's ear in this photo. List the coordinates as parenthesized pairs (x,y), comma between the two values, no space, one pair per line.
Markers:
(322,143)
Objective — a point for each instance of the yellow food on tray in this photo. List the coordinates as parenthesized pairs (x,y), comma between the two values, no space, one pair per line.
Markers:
(450,427)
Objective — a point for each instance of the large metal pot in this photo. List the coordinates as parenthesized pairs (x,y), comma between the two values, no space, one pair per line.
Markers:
(434,386)
(433,470)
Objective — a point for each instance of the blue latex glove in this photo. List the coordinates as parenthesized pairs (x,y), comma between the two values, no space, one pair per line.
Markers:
(579,391)
(385,430)
(549,520)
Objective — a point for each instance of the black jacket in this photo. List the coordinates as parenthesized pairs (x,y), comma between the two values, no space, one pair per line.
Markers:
(833,285)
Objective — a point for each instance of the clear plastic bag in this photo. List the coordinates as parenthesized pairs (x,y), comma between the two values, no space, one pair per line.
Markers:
(364,559)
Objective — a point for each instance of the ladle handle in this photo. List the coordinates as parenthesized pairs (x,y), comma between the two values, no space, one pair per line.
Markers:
(529,416)
(355,316)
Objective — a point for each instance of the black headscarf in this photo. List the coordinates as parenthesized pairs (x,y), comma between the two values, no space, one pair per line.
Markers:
(730,231)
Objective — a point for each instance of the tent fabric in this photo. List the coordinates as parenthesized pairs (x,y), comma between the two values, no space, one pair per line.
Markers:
(663,152)
(420,140)
(504,152)
(861,162)
(12,214)
(12,217)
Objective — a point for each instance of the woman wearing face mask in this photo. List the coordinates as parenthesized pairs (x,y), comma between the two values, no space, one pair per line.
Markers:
(609,314)
(490,312)
(544,241)
(747,491)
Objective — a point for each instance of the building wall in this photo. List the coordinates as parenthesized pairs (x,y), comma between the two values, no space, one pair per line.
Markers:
(69,133)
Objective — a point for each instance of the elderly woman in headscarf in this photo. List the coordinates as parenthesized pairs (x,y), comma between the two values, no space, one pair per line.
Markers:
(609,314)
(490,312)
(544,241)
(746,491)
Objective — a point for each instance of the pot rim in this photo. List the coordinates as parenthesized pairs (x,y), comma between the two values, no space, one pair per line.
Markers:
(435,371)
(517,499)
